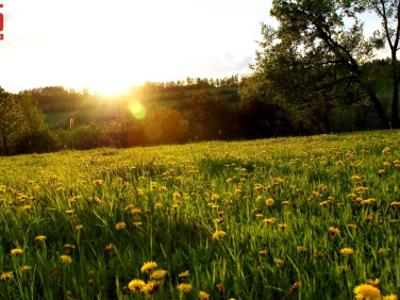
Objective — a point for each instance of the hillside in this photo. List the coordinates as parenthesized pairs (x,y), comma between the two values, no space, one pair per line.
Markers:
(285,218)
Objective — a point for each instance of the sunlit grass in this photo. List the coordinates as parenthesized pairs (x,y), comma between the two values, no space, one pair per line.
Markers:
(308,218)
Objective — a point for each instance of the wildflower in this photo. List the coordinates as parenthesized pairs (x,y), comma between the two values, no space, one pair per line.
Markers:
(382,251)
(65,259)
(270,202)
(69,211)
(259,216)
(109,248)
(367,292)
(136,285)
(149,287)
(16,252)
(137,223)
(148,267)
(204,296)
(294,288)
(136,211)
(279,262)
(263,252)
(346,251)
(158,274)
(214,197)
(184,288)
(386,150)
(390,297)
(120,226)
(6,276)
(333,230)
(79,227)
(301,249)
(184,274)
(395,204)
(220,287)
(175,206)
(158,205)
(381,171)
(283,226)
(40,238)
(218,234)
(24,268)
(98,183)
(352,226)
(176,194)
(269,220)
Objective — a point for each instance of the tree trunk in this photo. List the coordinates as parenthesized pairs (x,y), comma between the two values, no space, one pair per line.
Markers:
(395,106)
(378,107)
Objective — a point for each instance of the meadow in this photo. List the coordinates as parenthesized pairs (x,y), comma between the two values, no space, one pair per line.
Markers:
(286,218)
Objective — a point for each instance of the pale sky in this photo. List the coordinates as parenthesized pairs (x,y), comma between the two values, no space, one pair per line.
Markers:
(107,46)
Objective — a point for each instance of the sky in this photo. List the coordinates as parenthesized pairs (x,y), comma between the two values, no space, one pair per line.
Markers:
(107,46)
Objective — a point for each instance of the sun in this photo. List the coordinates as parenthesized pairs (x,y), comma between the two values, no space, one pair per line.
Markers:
(110,89)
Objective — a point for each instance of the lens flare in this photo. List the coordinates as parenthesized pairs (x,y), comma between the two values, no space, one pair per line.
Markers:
(137,110)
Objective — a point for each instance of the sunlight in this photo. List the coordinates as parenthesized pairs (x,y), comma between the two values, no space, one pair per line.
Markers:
(137,110)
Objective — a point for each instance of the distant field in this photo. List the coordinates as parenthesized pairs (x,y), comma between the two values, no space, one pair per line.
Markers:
(289,218)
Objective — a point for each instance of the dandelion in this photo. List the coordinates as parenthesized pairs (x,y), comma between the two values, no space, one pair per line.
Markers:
(65,259)
(185,288)
(263,252)
(204,296)
(137,223)
(220,287)
(40,238)
(5,276)
(148,267)
(218,234)
(184,274)
(279,262)
(149,287)
(120,226)
(214,197)
(270,202)
(333,230)
(136,285)
(382,251)
(109,248)
(283,226)
(386,150)
(346,251)
(68,248)
(16,252)
(301,249)
(367,292)
(390,297)
(79,227)
(269,220)
(136,212)
(158,274)
(158,205)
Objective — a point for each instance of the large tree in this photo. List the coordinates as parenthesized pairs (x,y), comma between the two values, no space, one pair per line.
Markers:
(321,44)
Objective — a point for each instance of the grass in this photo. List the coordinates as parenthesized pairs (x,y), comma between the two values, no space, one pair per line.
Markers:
(178,201)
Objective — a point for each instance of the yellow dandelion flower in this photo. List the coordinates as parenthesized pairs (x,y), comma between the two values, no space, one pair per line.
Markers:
(109,248)
(390,297)
(158,205)
(158,274)
(148,267)
(386,150)
(259,216)
(283,226)
(6,276)
(79,227)
(214,197)
(185,288)
(137,223)
(68,248)
(218,234)
(333,230)
(219,287)
(149,287)
(184,274)
(270,202)
(65,259)
(263,252)
(346,251)
(136,285)
(279,262)
(301,249)
(40,238)
(16,252)
(120,226)
(269,220)
(204,296)
(367,292)
(136,211)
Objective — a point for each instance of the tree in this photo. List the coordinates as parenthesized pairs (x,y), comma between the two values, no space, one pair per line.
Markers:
(389,13)
(312,35)
(10,118)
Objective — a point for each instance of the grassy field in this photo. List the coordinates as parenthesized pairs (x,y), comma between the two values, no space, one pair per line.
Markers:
(293,218)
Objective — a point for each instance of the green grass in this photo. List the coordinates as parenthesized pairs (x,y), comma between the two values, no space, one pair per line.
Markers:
(181,191)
